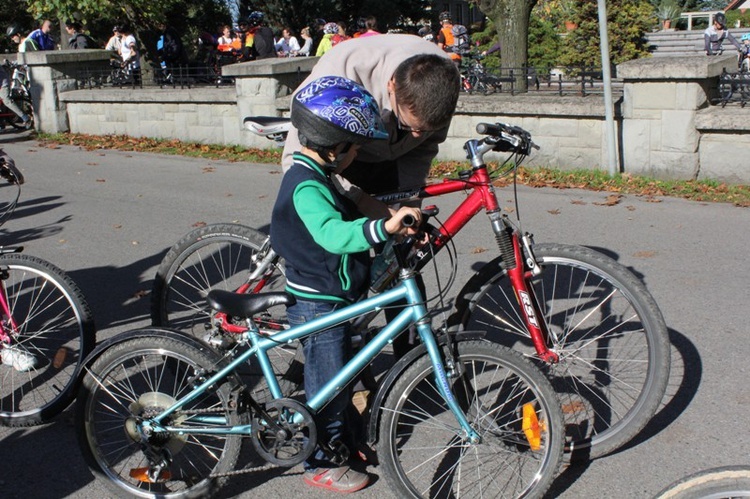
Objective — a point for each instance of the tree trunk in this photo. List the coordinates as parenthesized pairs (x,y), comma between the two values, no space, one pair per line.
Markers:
(511,18)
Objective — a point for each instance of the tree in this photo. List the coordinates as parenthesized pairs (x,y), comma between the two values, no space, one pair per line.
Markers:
(626,25)
(511,19)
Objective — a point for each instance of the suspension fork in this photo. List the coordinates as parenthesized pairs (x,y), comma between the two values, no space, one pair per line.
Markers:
(520,271)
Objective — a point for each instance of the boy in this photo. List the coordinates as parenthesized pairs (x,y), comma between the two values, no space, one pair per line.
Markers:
(326,242)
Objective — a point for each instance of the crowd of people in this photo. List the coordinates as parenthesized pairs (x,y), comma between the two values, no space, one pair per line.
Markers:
(252,38)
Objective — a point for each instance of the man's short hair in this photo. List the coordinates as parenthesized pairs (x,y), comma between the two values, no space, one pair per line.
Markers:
(428,84)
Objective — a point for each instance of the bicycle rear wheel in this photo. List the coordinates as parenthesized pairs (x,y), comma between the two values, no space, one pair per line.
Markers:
(607,329)
(507,401)
(136,379)
(220,256)
(54,332)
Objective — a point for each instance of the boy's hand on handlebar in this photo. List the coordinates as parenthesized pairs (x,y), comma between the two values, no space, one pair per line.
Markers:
(396,225)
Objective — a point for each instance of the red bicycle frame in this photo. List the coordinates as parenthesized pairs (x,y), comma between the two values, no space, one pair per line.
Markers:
(483,196)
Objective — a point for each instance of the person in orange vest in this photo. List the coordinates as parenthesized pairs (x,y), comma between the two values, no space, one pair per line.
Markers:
(445,36)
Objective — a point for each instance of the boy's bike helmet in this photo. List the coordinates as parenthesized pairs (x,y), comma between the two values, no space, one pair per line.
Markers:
(721,19)
(444,16)
(331,29)
(333,110)
(744,37)
(13,30)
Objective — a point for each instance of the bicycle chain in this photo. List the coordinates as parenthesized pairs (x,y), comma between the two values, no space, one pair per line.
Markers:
(253,469)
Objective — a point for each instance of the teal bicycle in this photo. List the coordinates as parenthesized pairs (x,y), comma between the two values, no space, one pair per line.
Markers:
(161,414)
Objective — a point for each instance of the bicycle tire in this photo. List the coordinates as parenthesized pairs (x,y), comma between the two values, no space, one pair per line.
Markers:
(420,446)
(55,327)
(727,482)
(142,376)
(219,256)
(583,295)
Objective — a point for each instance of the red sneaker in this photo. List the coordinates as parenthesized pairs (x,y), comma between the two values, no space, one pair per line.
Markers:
(343,479)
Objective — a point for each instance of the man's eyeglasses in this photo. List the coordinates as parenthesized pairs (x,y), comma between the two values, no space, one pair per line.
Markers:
(404,127)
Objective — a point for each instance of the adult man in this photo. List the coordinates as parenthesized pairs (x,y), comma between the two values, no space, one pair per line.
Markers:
(416,87)
(78,40)
(714,36)
(40,39)
(115,42)
(260,37)
(445,36)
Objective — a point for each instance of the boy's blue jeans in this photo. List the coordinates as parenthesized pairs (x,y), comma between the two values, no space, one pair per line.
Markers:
(325,354)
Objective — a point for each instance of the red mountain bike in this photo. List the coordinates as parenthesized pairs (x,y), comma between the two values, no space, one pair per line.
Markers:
(590,323)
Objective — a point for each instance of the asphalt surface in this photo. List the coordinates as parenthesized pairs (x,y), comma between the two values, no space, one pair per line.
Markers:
(108,217)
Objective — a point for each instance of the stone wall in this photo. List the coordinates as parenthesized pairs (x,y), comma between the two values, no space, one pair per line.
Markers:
(664,124)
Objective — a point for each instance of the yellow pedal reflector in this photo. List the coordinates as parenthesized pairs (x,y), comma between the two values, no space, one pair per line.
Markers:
(141,474)
(531,427)
(59,359)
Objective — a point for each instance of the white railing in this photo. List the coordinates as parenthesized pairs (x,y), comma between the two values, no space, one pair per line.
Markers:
(698,15)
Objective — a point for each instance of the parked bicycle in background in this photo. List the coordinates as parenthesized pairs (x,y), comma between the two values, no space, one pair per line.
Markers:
(46,329)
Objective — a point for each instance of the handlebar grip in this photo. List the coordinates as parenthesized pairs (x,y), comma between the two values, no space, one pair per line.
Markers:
(408,221)
(489,129)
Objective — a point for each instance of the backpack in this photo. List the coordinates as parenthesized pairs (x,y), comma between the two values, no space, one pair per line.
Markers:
(461,42)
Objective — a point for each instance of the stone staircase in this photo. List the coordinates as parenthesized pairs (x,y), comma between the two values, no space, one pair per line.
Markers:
(676,43)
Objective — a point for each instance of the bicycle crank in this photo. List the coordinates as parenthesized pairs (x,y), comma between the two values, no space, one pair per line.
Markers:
(287,436)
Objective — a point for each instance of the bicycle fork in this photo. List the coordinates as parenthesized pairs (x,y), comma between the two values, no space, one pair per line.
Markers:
(520,270)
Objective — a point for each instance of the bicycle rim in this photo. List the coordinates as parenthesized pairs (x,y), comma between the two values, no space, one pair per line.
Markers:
(54,328)
(135,380)
(424,454)
(608,332)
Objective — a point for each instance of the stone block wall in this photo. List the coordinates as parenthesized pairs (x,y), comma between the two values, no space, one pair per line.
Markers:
(664,124)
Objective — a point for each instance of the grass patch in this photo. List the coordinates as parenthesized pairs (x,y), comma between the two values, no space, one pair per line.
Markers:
(598,180)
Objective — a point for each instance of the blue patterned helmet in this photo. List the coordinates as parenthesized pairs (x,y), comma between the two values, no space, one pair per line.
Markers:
(333,110)
(746,36)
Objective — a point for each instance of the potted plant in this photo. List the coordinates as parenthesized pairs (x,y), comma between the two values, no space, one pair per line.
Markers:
(668,11)
(568,11)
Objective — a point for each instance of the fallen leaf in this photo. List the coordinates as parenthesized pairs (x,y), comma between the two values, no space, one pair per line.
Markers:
(553,212)
(651,199)
(578,201)
(630,208)
(199,224)
(478,249)
(61,241)
(92,164)
(135,243)
(611,200)
(228,195)
(53,146)
(118,226)
(209,169)
(100,180)
(644,254)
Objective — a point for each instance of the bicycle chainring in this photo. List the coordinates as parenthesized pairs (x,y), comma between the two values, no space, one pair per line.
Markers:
(292,440)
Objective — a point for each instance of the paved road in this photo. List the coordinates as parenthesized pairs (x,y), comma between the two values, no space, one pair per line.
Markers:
(108,217)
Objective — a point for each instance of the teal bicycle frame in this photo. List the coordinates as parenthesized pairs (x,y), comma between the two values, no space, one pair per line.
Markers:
(414,312)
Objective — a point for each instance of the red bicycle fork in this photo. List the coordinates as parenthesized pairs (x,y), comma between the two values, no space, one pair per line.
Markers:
(520,276)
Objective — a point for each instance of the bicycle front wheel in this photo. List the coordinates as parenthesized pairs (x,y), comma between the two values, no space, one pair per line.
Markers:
(507,401)
(606,328)
(53,333)
(135,380)
(729,482)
